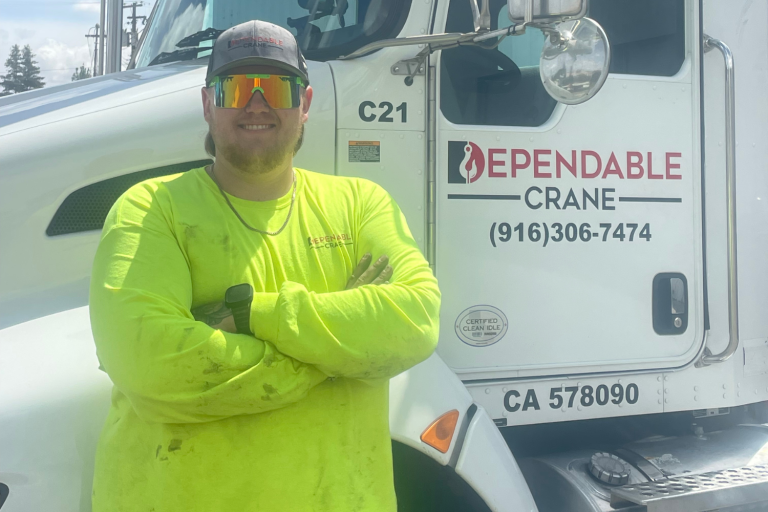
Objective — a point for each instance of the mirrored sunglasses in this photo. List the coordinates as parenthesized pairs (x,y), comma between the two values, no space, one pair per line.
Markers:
(235,91)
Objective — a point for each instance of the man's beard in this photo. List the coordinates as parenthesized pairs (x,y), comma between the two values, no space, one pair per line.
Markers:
(264,161)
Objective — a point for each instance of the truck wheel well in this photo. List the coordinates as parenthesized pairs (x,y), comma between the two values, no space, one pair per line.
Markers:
(423,485)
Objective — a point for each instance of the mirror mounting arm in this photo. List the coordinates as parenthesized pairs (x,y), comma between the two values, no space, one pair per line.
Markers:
(528,12)
(481,16)
(512,30)
(550,31)
(432,42)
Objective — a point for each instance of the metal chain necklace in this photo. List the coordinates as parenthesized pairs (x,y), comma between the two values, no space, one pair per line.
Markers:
(270,233)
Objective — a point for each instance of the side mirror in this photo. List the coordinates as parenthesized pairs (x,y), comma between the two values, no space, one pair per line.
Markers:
(546,10)
(575,60)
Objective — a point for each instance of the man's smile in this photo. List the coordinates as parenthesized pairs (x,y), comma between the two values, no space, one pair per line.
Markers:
(256,127)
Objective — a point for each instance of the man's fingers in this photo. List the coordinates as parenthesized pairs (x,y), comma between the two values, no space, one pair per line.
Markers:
(372,272)
(361,267)
(384,277)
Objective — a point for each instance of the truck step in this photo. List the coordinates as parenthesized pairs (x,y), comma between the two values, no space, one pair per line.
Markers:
(697,493)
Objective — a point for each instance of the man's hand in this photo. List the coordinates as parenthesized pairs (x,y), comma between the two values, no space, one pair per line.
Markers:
(365,273)
(217,315)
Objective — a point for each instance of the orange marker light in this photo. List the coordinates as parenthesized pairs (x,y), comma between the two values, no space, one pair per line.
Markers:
(439,434)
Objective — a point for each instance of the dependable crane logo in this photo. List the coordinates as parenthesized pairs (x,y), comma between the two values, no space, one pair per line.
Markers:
(469,162)
(466,162)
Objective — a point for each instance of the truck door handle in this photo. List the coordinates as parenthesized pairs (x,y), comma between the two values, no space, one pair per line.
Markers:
(670,304)
(708,358)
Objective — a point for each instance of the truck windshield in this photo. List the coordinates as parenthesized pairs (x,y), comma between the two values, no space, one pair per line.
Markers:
(325,29)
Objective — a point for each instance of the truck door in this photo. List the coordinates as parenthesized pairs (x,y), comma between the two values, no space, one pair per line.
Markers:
(568,238)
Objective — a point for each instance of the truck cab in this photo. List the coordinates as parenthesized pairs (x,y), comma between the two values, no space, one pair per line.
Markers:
(601,267)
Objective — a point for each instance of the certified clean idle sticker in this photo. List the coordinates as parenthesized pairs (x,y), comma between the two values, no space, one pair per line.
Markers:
(481,326)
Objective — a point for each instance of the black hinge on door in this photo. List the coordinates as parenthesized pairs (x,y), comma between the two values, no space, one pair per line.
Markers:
(670,303)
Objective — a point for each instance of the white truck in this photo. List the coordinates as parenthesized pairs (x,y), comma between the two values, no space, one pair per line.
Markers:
(603,344)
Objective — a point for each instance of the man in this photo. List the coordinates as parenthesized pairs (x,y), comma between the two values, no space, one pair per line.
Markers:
(250,354)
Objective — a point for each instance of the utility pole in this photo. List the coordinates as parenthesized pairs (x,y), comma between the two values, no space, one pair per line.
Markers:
(96,53)
(115,33)
(134,41)
(101,40)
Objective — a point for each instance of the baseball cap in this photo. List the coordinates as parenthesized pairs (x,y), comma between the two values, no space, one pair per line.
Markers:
(256,42)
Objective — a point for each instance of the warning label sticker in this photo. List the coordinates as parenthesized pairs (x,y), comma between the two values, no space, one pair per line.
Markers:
(365,151)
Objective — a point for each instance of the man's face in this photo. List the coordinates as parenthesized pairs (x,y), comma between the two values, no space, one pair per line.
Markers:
(256,138)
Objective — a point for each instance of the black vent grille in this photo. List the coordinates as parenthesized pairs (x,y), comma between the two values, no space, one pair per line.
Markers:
(87,208)
(3,493)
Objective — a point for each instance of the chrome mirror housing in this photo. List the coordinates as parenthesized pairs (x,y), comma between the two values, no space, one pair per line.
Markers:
(544,11)
(575,60)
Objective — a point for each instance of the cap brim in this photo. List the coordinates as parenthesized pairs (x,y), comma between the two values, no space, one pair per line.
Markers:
(257,61)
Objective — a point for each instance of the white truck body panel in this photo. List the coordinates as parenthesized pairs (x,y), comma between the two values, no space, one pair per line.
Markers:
(53,406)
(577,314)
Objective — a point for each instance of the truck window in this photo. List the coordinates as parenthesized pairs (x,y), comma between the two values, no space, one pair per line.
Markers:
(501,86)
(325,29)
(647,36)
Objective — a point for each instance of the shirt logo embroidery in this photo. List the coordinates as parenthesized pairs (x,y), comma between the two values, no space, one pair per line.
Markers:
(329,241)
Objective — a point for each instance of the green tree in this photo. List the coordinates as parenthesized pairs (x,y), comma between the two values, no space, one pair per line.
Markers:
(81,73)
(30,73)
(11,81)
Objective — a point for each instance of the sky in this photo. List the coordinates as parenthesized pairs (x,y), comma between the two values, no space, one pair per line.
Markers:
(55,30)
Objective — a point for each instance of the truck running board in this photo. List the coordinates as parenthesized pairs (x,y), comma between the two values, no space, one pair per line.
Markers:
(697,493)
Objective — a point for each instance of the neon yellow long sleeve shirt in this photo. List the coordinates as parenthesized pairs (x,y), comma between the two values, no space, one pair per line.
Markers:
(294,418)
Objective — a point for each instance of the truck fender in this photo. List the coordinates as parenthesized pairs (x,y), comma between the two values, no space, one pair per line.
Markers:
(478,452)
(53,405)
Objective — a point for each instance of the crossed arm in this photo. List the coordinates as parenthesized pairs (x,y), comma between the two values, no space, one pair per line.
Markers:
(219,316)
(178,367)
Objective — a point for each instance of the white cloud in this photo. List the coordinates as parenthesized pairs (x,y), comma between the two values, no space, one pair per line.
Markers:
(87,7)
(23,33)
(58,60)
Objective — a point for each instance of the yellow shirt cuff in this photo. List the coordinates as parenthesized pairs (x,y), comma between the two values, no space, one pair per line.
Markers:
(264,316)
